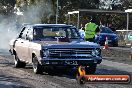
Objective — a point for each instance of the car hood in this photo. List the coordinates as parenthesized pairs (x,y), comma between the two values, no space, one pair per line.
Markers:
(73,44)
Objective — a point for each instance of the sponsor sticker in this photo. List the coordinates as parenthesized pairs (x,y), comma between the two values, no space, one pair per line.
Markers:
(104,79)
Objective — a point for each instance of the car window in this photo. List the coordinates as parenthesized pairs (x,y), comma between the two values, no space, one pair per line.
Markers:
(69,33)
(24,33)
(53,32)
(72,33)
(61,33)
(29,35)
(49,32)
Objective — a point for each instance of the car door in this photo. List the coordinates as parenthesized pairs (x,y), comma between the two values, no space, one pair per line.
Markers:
(18,43)
(21,44)
(27,44)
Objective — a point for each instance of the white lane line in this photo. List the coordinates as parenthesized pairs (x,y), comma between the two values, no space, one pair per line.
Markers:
(117,65)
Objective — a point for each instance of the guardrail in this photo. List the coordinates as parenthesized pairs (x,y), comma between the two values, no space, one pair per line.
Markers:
(125,37)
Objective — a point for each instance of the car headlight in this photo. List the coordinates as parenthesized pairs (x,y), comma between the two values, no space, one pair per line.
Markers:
(96,52)
(45,52)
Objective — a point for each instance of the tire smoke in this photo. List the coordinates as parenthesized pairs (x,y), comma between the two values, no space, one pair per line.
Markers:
(31,14)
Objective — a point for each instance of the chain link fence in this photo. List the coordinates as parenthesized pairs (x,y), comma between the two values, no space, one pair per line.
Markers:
(125,37)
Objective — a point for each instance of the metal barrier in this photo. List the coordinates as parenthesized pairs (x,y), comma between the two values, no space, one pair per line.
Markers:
(125,37)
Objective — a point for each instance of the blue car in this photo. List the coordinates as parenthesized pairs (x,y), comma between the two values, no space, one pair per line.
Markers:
(106,32)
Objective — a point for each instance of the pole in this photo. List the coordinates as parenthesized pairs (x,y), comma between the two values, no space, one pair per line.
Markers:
(69,19)
(78,22)
(126,38)
(127,21)
(57,12)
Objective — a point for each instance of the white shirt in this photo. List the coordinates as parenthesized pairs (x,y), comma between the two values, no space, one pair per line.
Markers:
(82,33)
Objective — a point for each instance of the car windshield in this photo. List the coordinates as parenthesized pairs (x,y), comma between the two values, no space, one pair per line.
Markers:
(106,30)
(54,32)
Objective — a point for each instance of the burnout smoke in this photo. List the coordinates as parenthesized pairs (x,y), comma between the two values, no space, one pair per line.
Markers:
(37,12)
(32,14)
(7,32)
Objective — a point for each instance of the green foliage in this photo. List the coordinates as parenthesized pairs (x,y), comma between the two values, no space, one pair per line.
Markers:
(27,6)
(70,5)
(110,4)
(126,4)
(89,4)
(6,6)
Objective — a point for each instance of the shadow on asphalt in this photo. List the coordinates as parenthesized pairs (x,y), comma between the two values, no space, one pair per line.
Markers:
(10,82)
(72,72)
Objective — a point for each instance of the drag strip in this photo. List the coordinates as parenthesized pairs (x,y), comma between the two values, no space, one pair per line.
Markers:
(118,48)
(117,65)
(25,78)
(11,77)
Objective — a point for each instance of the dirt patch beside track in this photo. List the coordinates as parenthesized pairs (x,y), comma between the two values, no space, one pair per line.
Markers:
(117,54)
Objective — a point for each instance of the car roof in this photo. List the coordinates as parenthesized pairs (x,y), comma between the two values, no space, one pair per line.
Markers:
(105,28)
(50,25)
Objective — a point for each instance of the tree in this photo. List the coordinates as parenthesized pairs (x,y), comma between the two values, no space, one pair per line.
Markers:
(126,4)
(110,4)
(70,5)
(89,4)
(64,7)
(36,11)
(7,6)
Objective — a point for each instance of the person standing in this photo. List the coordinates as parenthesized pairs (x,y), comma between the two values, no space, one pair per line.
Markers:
(82,32)
(90,30)
(112,28)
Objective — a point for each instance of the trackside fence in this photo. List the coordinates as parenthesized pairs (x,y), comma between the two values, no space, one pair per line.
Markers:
(125,37)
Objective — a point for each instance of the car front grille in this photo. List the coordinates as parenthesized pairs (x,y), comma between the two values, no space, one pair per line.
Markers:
(71,53)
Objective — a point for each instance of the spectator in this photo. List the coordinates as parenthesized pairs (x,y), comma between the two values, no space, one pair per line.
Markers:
(82,32)
(112,28)
(90,30)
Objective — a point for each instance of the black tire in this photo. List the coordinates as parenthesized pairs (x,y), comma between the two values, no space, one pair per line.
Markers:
(37,68)
(18,63)
(91,69)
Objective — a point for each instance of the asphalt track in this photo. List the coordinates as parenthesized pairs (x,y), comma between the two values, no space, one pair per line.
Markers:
(11,77)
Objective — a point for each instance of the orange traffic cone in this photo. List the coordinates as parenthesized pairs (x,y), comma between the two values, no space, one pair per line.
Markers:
(106,44)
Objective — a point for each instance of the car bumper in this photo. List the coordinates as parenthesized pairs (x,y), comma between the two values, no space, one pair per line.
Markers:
(76,62)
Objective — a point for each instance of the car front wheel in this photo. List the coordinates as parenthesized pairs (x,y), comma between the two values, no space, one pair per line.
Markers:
(37,68)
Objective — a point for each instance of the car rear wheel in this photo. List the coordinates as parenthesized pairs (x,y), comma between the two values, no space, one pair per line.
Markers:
(37,68)
(91,69)
(18,63)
